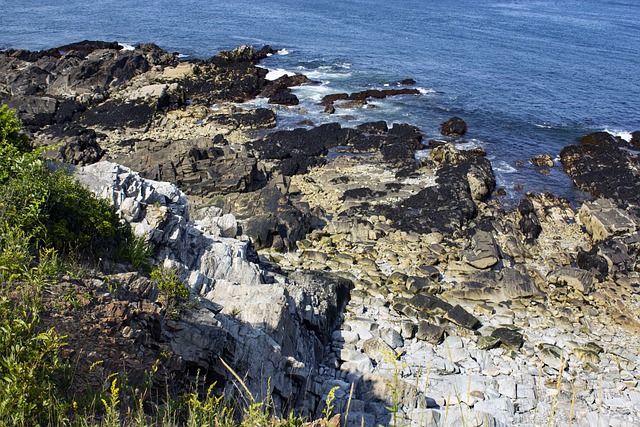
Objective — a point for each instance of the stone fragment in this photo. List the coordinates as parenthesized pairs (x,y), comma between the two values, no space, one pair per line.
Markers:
(377,349)
(487,342)
(552,356)
(391,337)
(508,337)
(429,332)
(455,126)
(429,303)
(462,317)
(578,279)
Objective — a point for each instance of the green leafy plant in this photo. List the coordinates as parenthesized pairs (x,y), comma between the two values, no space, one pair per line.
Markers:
(171,286)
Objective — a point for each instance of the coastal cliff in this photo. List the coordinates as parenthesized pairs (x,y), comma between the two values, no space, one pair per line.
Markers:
(359,261)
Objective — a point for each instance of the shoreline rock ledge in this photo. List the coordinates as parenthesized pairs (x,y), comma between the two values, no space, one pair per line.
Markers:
(329,257)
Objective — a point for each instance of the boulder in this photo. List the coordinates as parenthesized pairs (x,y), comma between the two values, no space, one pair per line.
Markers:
(505,285)
(510,338)
(284,98)
(529,223)
(604,171)
(578,279)
(542,160)
(455,126)
(484,252)
(603,219)
(462,317)
(600,138)
(429,332)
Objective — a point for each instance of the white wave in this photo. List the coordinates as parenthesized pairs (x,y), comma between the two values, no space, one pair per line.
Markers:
(277,73)
(620,133)
(426,90)
(502,166)
(183,55)
(283,52)
(126,46)
(543,125)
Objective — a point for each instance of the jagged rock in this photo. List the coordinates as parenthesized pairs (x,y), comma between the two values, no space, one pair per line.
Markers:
(377,349)
(484,252)
(455,126)
(74,144)
(578,279)
(602,218)
(462,317)
(529,223)
(552,356)
(429,303)
(429,332)
(542,160)
(323,297)
(591,261)
(284,98)
(505,285)
(510,338)
(604,171)
(599,138)
(487,342)
(371,93)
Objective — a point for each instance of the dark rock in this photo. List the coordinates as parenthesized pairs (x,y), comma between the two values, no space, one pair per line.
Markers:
(462,317)
(198,167)
(591,261)
(509,338)
(361,193)
(635,139)
(284,98)
(430,333)
(603,171)
(300,149)
(113,115)
(429,303)
(407,82)
(266,215)
(529,223)
(371,93)
(74,144)
(401,143)
(35,111)
(455,126)
(328,294)
(600,138)
(283,83)
(374,128)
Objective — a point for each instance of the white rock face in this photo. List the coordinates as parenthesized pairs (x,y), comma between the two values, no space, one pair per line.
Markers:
(160,211)
(272,331)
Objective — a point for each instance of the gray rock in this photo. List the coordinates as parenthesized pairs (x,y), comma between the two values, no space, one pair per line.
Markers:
(484,252)
(429,332)
(578,279)
(508,337)
(462,317)
(602,218)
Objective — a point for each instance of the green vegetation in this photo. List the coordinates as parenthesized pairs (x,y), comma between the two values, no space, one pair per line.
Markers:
(49,224)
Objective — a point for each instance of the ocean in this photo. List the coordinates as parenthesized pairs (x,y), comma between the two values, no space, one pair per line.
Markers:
(529,77)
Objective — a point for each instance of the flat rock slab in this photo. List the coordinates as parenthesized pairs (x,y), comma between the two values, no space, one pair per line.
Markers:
(508,337)
(429,303)
(602,218)
(462,317)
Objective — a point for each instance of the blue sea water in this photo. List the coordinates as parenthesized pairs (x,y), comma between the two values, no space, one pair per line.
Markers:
(529,77)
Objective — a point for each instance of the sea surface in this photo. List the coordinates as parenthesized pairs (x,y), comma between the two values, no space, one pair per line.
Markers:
(529,77)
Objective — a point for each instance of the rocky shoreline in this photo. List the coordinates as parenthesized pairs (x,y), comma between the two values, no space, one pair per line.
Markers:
(325,256)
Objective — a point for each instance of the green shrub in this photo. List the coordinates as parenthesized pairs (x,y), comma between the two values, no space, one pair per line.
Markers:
(28,360)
